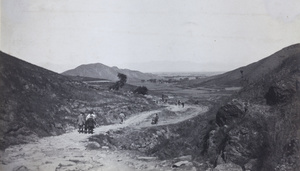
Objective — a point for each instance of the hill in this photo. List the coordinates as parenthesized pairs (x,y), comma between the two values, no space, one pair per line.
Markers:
(35,102)
(255,129)
(250,73)
(99,70)
(259,127)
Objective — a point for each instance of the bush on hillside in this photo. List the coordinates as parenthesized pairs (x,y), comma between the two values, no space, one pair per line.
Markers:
(141,90)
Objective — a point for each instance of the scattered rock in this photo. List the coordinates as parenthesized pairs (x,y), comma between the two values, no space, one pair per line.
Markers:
(141,167)
(193,169)
(181,163)
(76,161)
(220,160)
(251,165)
(227,167)
(21,168)
(147,158)
(92,146)
(58,125)
(130,164)
(105,147)
(188,158)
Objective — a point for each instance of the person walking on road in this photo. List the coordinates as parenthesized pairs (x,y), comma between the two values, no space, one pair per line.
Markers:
(80,122)
(178,102)
(155,119)
(122,117)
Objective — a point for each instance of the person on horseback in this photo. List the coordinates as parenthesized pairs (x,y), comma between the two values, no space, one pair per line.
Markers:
(90,123)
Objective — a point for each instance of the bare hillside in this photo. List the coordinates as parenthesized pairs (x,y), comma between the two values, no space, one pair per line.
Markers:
(250,73)
(35,102)
(258,127)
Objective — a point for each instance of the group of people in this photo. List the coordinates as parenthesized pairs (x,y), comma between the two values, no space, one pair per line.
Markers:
(86,124)
(179,103)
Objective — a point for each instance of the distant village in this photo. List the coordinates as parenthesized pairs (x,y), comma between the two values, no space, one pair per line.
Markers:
(175,78)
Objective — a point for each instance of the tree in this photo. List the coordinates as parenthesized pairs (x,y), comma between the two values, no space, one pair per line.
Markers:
(119,84)
(123,79)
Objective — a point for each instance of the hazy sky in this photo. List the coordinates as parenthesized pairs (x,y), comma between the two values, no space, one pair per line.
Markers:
(215,35)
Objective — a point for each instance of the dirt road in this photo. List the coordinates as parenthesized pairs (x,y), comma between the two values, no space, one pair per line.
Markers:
(69,152)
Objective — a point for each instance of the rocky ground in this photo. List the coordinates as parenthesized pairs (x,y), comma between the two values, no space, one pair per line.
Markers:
(74,151)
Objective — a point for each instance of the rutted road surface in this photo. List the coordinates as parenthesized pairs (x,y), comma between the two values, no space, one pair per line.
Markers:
(68,151)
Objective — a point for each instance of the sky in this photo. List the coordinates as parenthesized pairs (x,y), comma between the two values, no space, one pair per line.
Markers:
(148,35)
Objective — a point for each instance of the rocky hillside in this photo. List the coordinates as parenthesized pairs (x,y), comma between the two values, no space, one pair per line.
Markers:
(259,128)
(256,129)
(99,70)
(250,73)
(35,102)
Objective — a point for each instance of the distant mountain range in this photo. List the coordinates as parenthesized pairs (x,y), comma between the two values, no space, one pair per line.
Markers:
(102,71)
(250,73)
(181,66)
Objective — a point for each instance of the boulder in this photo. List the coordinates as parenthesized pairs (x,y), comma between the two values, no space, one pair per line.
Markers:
(245,141)
(228,115)
(277,95)
(238,138)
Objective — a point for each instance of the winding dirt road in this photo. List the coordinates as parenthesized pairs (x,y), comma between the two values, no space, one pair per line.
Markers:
(69,152)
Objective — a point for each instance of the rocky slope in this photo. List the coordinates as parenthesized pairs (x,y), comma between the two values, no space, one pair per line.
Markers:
(258,128)
(35,102)
(255,129)
(99,70)
(250,73)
